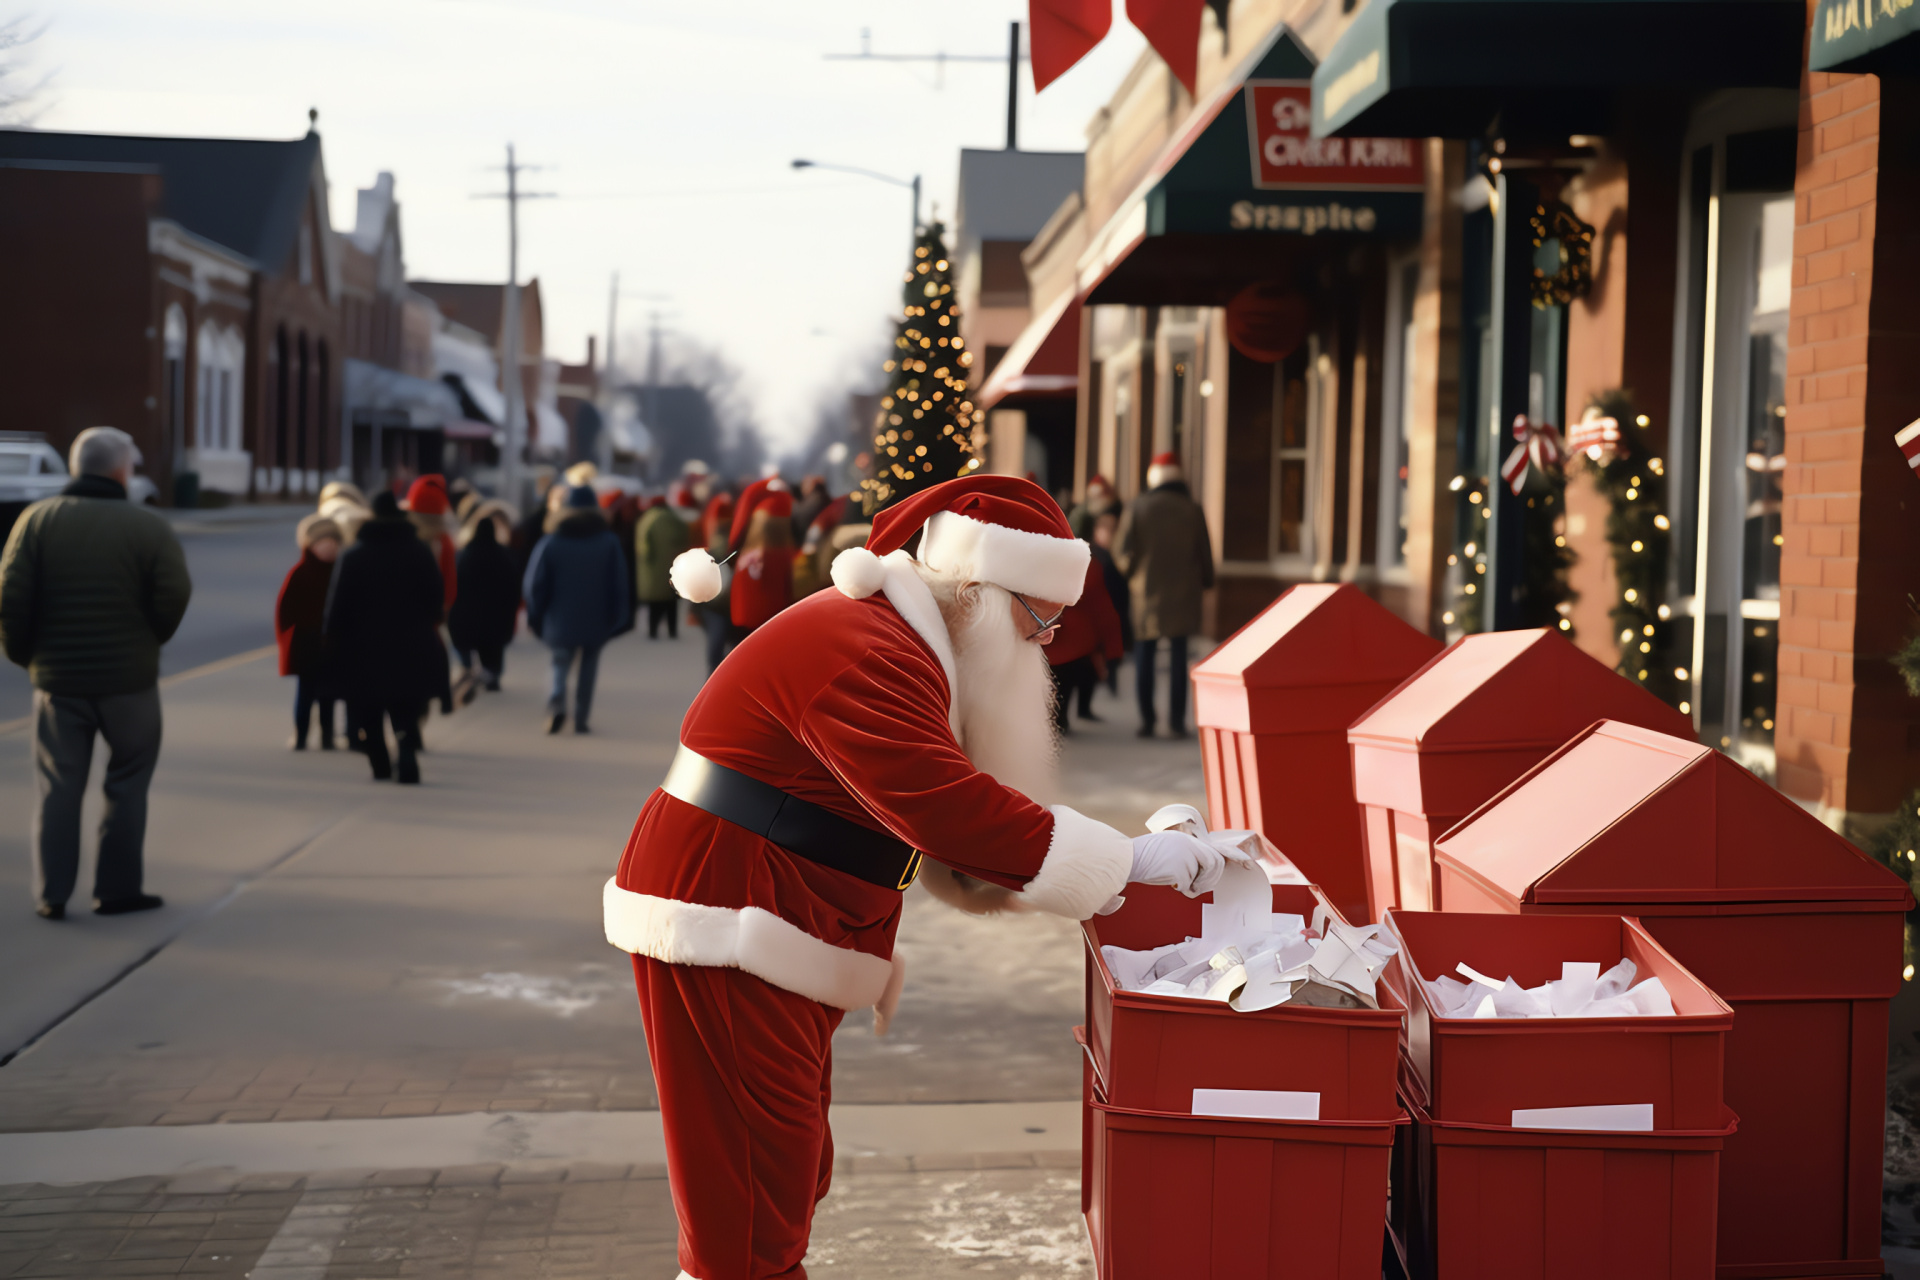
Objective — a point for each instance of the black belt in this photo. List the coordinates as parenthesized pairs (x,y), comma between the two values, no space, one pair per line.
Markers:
(796,825)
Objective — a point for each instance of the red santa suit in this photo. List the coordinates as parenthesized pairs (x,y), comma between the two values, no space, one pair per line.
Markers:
(747,954)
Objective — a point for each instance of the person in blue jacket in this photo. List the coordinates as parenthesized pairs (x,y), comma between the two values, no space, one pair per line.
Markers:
(576,593)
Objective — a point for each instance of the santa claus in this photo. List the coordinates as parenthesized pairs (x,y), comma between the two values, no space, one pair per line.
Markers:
(898,727)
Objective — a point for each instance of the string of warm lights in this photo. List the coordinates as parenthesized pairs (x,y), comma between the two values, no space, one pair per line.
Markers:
(1634,480)
(924,431)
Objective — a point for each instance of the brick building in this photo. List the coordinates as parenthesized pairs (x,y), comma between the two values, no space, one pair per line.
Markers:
(1749,300)
(183,289)
(1848,736)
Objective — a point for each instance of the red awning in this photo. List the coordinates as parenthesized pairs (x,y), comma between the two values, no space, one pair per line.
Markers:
(1043,362)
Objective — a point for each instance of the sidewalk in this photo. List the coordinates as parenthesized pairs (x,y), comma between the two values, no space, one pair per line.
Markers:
(339,951)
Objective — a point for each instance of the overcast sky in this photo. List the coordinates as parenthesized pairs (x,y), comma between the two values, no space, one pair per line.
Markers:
(668,129)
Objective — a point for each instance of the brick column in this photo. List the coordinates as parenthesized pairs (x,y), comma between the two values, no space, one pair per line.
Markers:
(1846,732)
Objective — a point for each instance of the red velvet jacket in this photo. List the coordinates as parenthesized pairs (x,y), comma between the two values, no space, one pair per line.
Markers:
(844,703)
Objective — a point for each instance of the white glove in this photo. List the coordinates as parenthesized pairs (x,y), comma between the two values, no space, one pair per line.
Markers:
(1188,863)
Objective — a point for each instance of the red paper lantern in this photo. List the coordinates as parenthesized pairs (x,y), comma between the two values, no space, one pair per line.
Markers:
(1266,322)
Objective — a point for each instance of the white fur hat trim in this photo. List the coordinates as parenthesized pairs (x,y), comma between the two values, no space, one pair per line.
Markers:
(1029,564)
(695,575)
(858,573)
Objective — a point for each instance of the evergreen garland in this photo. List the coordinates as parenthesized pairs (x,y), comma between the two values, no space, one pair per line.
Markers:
(923,434)
(1543,595)
(1639,535)
(1468,613)
(1907,662)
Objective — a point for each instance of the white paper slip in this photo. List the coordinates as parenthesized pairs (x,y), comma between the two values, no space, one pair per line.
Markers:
(1623,1117)
(1256,1104)
(1242,903)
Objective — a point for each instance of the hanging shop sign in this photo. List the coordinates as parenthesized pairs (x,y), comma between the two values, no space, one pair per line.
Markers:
(1243,183)
(1286,155)
(1865,35)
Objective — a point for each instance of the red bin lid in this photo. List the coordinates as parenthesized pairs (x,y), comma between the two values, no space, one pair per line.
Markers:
(1508,689)
(1315,637)
(1625,815)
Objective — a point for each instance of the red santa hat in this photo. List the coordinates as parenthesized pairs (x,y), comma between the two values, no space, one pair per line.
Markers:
(428,496)
(1002,530)
(770,495)
(1164,467)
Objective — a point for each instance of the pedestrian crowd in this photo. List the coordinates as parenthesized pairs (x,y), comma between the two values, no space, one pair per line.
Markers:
(397,603)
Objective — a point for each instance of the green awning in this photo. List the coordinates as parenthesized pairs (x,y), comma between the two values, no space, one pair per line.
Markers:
(1242,190)
(1866,36)
(1543,68)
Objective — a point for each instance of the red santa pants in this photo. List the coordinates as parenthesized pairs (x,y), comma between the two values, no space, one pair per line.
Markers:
(744,1071)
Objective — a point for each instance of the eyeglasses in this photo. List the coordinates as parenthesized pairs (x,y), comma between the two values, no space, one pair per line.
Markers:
(1046,626)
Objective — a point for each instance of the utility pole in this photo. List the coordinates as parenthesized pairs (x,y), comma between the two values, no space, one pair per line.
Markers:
(1013,86)
(940,61)
(512,456)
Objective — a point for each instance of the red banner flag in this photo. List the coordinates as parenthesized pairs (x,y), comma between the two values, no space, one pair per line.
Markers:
(1172,27)
(1061,32)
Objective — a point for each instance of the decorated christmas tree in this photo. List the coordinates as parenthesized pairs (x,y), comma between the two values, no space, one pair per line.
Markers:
(924,431)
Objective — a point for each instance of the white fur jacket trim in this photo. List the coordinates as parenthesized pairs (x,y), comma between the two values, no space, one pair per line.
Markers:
(1087,863)
(913,600)
(751,940)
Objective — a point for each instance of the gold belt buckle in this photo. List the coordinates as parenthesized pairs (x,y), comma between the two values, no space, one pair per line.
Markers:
(912,872)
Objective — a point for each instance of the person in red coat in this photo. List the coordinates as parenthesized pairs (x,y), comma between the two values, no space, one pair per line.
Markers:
(427,507)
(895,727)
(298,616)
(763,535)
(1089,640)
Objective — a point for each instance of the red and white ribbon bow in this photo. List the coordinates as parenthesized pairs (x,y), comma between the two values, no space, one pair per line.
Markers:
(1908,438)
(1595,435)
(1539,447)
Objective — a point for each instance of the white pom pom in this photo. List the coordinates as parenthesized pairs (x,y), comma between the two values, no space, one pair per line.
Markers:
(695,575)
(858,573)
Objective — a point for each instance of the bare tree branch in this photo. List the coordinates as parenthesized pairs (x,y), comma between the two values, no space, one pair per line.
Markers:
(22,94)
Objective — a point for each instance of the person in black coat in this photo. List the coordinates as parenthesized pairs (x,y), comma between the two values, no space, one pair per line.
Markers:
(486,607)
(383,627)
(576,590)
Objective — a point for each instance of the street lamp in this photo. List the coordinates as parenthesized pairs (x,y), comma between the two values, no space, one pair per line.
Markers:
(877,177)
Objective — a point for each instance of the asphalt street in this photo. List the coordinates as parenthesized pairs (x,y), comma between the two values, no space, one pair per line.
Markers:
(369,1015)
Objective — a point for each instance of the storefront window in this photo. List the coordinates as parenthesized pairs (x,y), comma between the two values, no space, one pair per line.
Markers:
(1729,495)
(1765,465)
(1396,418)
(1291,460)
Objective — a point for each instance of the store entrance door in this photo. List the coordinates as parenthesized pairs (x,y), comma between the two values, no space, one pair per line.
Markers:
(1736,643)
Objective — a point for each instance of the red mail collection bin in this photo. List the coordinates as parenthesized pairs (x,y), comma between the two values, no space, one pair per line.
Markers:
(1273,704)
(1479,1198)
(1206,1198)
(1462,727)
(1795,928)
(1152,1052)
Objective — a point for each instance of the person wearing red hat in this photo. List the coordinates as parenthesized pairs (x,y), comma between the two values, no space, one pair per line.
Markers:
(894,728)
(427,507)
(763,536)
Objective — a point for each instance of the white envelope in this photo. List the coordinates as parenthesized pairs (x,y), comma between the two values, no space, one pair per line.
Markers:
(1622,1117)
(1256,1104)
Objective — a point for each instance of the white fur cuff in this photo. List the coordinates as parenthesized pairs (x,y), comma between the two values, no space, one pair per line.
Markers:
(749,939)
(1086,865)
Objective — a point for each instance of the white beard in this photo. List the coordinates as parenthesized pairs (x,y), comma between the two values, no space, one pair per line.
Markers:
(1004,698)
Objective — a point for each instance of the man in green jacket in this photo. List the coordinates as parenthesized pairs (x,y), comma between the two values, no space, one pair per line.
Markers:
(90,587)
(664,532)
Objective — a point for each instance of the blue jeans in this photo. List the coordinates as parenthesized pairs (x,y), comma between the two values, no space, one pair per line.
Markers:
(1144,652)
(583,689)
